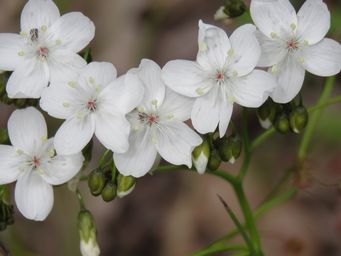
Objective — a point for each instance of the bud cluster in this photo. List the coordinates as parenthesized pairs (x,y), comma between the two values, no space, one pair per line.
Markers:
(109,183)
(284,117)
(214,150)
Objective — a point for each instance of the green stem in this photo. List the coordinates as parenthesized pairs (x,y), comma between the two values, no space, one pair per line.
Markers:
(249,220)
(305,142)
(220,248)
(80,199)
(247,146)
(327,103)
(103,157)
(262,137)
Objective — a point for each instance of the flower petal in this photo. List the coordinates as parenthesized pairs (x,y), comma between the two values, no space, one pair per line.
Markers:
(273,18)
(64,65)
(38,13)
(58,100)
(27,129)
(99,73)
(140,157)
(9,164)
(62,168)
(187,78)
(10,47)
(127,92)
(33,196)
(74,30)
(246,50)
(213,47)
(74,134)
(252,90)
(112,131)
(175,143)
(272,50)
(28,80)
(176,107)
(226,109)
(323,58)
(206,111)
(313,21)
(290,76)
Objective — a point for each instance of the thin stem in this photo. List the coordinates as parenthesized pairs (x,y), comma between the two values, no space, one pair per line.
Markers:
(103,157)
(220,248)
(331,101)
(308,134)
(246,144)
(262,137)
(249,220)
(80,199)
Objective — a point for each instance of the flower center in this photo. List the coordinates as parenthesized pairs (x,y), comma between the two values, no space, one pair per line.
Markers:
(35,162)
(149,119)
(91,105)
(292,45)
(43,52)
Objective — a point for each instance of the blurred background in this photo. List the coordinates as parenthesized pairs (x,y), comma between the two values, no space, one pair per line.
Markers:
(174,214)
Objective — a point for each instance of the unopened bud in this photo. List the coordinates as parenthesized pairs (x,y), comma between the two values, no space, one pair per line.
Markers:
(87,234)
(109,192)
(220,14)
(214,160)
(4,138)
(96,182)
(125,185)
(201,155)
(266,114)
(234,8)
(230,148)
(87,151)
(298,119)
(282,123)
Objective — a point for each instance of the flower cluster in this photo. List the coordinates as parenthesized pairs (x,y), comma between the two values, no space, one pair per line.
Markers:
(141,115)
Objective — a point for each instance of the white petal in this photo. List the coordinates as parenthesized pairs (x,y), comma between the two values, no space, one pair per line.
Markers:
(9,164)
(62,168)
(176,106)
(150,74)
(213,46)
(246,50)
(313,21)
(74,134)
(112,131)
(123,94)
(74,30)
(272,50)
(28,80)
(175,143)
(99,73)
(140,157)
(187,78)
(33,196)
(226,108)
(252,90)
(290,77)
(27,129)
(206,111)
(38,13)
(273,18)
(64,64)
(58,100)
(323,58)
(10,47)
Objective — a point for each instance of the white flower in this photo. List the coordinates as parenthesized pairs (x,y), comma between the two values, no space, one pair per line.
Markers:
(157,126)
(46,48)
(223,74)
(294,43)
(93,102)
(33,163)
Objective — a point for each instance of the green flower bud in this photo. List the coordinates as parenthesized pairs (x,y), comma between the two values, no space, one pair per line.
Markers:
(201,155)
(87,151)
(125,185)
(109,192)
(233,8)
(87,234)
(4,138)
(96,182)
(214,160)
(282,123)
(266,114)
(230,148)
(298,119)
